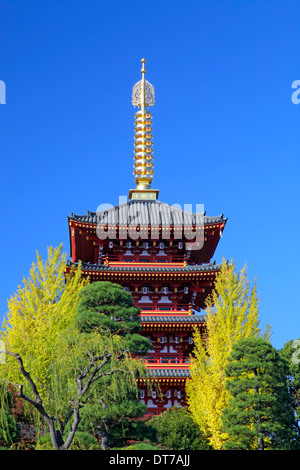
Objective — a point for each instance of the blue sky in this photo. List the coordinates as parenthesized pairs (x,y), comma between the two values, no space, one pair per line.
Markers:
(226,132)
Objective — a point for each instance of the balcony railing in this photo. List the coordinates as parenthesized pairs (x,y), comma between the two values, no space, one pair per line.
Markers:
(167,363)
(154,264)
(187,312)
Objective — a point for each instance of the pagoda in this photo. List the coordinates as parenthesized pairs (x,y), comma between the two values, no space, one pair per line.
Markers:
(159,253)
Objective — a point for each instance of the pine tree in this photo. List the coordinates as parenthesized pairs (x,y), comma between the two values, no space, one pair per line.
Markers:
(232,313)
(107,306)
(259,414)
(291,353)
(176,429)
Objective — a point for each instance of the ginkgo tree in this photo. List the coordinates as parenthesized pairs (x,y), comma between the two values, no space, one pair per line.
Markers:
(37,314)
(232,313)
(55,366)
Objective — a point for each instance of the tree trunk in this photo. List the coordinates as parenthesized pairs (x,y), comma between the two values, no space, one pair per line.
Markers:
(104,435)
(59,439)
(260,442)
(52,432)
(104,441)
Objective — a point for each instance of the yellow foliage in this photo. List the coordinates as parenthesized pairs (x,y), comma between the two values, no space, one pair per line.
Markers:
(232,313)
(37,313)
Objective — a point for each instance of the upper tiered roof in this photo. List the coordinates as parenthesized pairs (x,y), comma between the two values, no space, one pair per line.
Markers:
(150,213)
(154,220)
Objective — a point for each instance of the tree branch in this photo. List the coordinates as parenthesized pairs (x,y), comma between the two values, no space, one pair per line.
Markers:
(37,403)
(92,373)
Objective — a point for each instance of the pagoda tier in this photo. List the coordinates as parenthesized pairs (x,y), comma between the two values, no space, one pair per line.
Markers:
(171,337)
(167,387)
(166,287)
(168,360)
(144,231)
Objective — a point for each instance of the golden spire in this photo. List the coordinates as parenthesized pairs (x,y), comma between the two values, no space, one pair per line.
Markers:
(143,96)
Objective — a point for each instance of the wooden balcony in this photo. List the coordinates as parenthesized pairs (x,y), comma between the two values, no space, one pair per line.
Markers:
(167,364)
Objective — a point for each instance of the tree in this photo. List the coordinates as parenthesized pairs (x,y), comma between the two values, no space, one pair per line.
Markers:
(176,429)
(232,313)
(259,413)
(83,363)
(53,365)
(115,420)
(37,314)
(107,306)
(291,353)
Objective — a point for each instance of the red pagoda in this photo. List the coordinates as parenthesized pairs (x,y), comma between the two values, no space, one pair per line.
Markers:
(159,253)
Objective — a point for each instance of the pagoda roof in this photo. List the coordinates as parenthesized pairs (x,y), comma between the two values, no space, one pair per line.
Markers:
(154,213)
(210,267)
(160,373)
(172,318)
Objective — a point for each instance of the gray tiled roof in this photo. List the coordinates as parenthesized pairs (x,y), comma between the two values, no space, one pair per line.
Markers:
(172,318)
(176,269)
(168,373)
(146,213)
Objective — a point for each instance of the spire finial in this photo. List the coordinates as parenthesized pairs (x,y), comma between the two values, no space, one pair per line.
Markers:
(143,96)
(143,91)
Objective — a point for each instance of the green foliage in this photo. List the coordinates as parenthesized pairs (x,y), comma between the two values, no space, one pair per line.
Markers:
(44,442)
(84,441)
(141,446)
(81,441)
(137,430)
(290,352)
(118,416)
(107,306)
(259,414)
(9,429)
(37,315)
(71,363)
(118,374)
(176,429)
(232,313)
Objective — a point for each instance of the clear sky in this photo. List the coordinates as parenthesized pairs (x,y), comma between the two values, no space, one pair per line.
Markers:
(226,132)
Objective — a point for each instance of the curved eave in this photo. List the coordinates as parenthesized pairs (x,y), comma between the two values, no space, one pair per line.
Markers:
(175,374)
(171,323)
(151,220)
(172,319)
(211,268)
(153,213)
